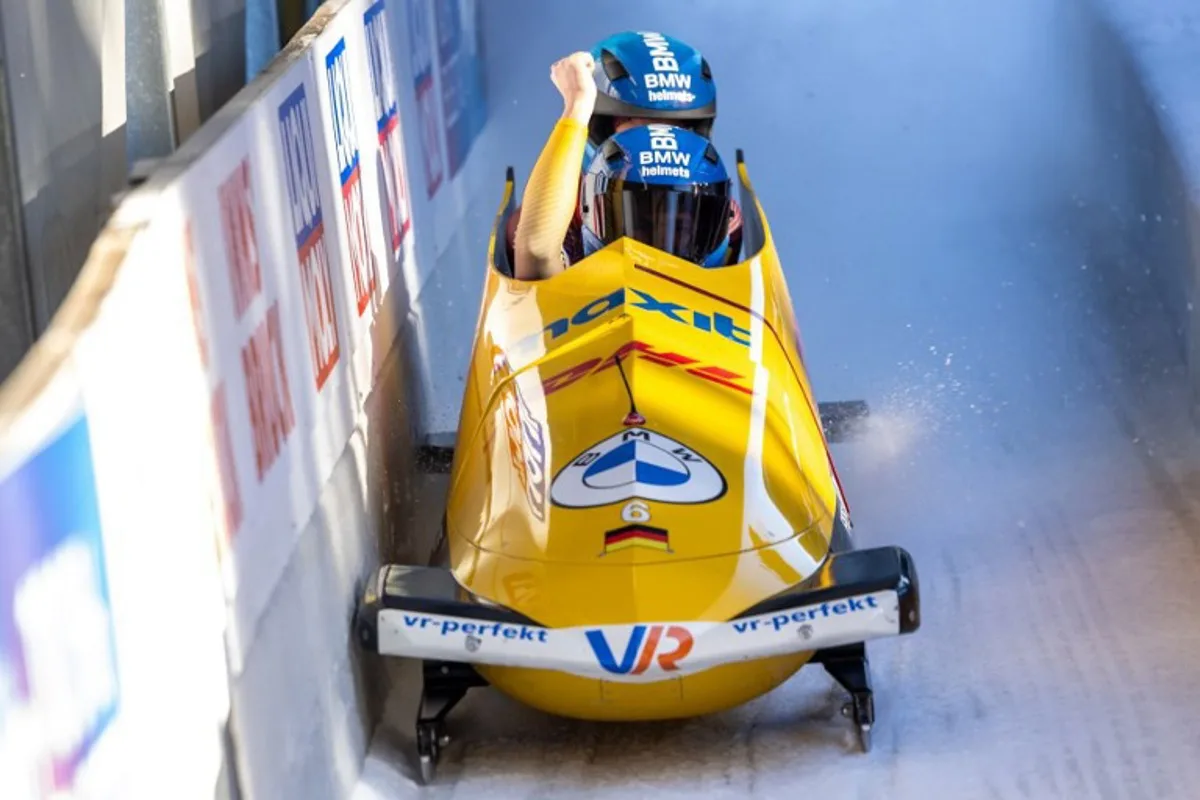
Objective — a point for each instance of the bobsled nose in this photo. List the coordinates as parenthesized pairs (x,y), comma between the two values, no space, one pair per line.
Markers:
(559,594)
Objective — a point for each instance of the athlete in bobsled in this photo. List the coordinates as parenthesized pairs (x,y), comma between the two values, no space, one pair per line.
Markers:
(638,78)
(644,77)
(643,519)
(658,184)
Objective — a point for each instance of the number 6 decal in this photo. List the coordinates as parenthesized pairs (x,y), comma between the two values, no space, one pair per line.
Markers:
(636,511)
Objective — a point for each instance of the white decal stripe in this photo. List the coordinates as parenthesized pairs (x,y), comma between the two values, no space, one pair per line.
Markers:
(759,510)
(752,462)
(434,636)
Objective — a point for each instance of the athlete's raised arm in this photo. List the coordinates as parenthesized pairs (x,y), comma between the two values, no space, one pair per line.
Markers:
(552,192)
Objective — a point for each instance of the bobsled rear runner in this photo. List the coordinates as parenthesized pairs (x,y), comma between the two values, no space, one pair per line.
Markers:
(644,520)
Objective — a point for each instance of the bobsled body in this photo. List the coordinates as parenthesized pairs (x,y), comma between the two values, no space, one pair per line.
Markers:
(688,482)
(643,518)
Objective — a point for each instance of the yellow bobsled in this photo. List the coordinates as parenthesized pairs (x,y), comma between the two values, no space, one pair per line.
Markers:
(643,520)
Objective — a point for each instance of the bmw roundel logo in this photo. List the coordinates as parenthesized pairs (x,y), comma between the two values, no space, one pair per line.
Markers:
(637,463)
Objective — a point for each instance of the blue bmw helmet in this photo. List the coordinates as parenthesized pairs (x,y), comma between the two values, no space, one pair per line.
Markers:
(651,76)
(662,186)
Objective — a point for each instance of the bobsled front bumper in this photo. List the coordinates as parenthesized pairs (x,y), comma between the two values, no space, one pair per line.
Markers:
(856,596)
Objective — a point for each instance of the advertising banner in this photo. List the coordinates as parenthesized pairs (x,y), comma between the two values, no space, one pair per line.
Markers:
(274,302)
(460,63)
(59,690)
(386,105)
(214,372)
(420,54)
(296,223)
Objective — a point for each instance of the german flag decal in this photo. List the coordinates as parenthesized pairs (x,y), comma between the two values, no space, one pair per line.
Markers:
(636,536)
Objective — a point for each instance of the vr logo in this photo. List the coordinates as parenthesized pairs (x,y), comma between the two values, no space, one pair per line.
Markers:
(640,650)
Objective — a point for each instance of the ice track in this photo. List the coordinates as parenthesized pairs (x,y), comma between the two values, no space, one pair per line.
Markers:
(950,198)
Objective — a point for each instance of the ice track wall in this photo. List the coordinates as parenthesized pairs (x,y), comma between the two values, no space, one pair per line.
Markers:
(1159,55)
(212,444)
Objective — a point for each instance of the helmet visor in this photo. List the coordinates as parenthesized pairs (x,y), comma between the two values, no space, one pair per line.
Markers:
(687,222)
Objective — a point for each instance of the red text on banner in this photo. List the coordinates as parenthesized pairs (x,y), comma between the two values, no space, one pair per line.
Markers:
(272,416)
(362,260)
(308,227)
(387,123)
(241,246)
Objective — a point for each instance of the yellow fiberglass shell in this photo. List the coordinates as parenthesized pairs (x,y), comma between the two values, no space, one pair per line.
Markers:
(709,361)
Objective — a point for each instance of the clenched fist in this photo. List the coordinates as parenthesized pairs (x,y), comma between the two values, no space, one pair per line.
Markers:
(572,76)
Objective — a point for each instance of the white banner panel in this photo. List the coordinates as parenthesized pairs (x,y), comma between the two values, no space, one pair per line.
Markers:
(217,357)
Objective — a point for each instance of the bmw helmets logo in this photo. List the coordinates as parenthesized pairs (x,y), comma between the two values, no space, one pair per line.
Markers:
(637,463)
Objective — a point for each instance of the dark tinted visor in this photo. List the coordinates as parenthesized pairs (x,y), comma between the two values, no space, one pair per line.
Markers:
(688,222)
